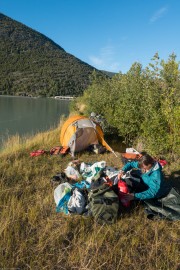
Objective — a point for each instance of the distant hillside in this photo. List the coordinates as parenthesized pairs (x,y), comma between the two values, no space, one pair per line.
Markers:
(31,63)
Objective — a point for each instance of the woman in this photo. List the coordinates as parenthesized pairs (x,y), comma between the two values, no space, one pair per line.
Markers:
(152,184)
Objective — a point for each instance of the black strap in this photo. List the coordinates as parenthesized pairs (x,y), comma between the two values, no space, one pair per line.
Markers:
(107,201)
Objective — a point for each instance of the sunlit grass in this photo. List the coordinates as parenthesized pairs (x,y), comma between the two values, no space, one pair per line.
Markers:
(34,236)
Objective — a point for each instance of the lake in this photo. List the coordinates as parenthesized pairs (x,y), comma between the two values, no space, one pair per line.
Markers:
(28,116)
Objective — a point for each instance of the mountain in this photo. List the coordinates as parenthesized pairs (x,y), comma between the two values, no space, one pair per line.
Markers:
(32,64)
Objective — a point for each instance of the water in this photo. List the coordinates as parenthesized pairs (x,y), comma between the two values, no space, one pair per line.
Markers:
(28,116)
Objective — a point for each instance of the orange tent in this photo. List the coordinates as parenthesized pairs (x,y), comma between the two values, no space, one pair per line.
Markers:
(78,132)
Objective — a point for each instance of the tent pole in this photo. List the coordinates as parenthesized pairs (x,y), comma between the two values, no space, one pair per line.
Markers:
(114,153)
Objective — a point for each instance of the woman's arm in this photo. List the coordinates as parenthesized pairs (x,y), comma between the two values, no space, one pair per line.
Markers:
(153,183)
(127,167)
(130,165)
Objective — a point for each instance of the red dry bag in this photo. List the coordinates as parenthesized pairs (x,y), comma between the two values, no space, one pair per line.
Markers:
(122,190)
(38,153)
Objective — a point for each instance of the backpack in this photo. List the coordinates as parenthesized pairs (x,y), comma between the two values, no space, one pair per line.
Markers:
(128,157)
(103,204)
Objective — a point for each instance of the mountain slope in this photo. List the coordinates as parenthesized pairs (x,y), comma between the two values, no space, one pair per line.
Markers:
(31,63)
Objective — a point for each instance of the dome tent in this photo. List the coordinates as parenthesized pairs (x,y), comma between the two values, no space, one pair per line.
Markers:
(78,132)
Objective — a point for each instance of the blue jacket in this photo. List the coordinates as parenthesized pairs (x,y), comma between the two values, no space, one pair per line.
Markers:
(154,179)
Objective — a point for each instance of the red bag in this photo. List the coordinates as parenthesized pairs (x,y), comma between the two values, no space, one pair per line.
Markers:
(38,153)
(122,190)
(162,162)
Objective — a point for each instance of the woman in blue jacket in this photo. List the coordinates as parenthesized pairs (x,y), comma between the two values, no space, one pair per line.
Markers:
(152,179)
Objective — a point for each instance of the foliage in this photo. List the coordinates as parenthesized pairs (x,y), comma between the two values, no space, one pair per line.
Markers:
(141,105)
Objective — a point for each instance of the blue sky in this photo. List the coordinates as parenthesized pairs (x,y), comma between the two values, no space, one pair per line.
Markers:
(107,34)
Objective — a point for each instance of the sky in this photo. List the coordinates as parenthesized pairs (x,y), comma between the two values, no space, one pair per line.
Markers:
(109,35)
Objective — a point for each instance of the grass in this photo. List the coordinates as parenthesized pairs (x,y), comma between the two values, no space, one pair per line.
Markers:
(34,236)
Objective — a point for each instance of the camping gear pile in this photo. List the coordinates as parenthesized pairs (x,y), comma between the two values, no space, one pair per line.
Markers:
(97,194)
(93,189)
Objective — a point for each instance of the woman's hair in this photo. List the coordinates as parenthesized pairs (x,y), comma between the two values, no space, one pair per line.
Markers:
(146,160)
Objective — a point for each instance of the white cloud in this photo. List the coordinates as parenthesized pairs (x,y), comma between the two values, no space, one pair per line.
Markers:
(96,61)
(105,60)
(158,14)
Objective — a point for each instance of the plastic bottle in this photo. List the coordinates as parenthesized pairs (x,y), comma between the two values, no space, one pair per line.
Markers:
(122,190)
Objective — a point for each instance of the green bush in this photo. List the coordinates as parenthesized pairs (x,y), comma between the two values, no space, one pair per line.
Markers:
(141,105)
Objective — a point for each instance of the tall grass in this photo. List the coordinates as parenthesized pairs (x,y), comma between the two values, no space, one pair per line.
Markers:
(34,236)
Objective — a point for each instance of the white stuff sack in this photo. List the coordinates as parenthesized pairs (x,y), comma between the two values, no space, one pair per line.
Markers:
(132,150)
(71,172)
(76,203)
(94,171)
(61,191)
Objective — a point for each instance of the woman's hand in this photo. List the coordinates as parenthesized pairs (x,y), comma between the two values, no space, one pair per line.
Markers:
(120,174)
